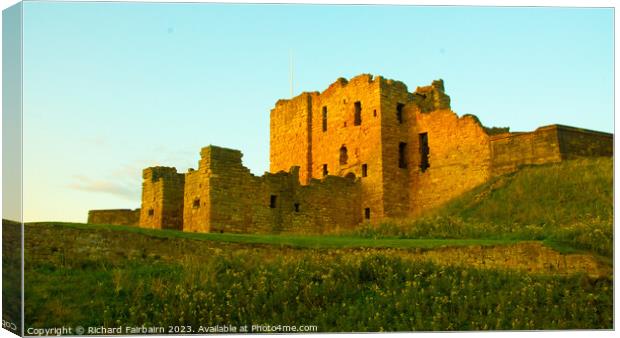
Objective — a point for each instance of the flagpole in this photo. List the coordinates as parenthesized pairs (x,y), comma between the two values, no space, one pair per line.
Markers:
(291,70)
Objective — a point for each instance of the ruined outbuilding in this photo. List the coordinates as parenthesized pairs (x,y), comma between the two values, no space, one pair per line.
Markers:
(360,151)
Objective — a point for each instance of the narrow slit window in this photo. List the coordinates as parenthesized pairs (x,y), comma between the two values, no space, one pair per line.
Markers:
(364,170)
(402,155)
(367,213)
(272,201)
(196,204)
(325,172)
(344,157)
(357,118)
(324,118)
(296,205)
(399,112)
(424,151)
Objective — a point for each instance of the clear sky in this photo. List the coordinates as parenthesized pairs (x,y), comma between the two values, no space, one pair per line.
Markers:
(111,88)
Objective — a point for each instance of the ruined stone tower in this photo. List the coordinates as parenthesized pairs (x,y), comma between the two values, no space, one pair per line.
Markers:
(162,198)
(360,151)
(371,128)
(410,151)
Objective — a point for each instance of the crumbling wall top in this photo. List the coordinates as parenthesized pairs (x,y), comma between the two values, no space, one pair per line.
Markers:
(302,96)
(155,173)
(432,97)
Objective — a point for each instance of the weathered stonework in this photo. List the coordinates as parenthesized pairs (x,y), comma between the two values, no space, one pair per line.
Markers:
(223,196)
(546,144)
(414,152)
(162,198)
(362,150)
(459,158)
(114,216)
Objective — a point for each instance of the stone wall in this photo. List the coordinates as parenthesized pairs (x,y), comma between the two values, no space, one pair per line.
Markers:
(197,205)
(289,142)
(433,97)
(232,200)
(114,216)
(349,143)
(577,142)
(359,128)
(459,157)
(547,144)
(395,130)
(162,198)
(511,150)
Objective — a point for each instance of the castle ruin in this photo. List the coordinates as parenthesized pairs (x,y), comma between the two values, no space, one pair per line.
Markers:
(360,151)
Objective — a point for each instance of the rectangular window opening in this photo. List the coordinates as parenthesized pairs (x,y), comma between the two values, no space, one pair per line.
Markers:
(357,118)
(424,151)
(367,213)
(399,112)
(196,203)
(364,170)
(296,205)
(325,172)
(151,212)
(344,157)
(402,155)
(272,201)
(324,118)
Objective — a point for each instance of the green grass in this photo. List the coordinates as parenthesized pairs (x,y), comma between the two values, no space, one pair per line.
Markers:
(364,290)
(554,194)
(296,241)
(567,205)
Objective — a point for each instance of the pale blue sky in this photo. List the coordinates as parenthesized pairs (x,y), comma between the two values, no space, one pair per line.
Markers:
(111,88)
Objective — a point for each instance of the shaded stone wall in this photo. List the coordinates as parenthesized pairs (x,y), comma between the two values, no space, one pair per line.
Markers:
(459,157)
(239,202)
(162,198)
(547,144)
(114,216)
(511,150)
(577,142)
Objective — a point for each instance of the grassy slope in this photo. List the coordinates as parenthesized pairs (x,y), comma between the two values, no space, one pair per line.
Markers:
(568,205)
(361,291)
(573,191)
(298,241)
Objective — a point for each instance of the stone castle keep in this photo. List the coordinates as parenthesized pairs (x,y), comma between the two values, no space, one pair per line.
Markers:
(360,151)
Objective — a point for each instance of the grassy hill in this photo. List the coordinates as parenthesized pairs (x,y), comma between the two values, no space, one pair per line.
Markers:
(569,204)
(469,265)
(104,276)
